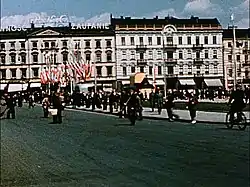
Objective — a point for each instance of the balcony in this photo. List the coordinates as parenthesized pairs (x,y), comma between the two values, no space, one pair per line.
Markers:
(198,47)
(141,62)
(198,61)
(170,62)
(141,47)
(169,46)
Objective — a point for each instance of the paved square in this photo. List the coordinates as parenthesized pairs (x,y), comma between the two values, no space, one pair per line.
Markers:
(90,149)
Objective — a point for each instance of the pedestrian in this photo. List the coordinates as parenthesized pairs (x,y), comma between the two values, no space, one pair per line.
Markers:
(20,100)
(159,97)
(192,107)
(31,101)
(169,104)
(57,104)
(152,100)
(10,103)
(45,105)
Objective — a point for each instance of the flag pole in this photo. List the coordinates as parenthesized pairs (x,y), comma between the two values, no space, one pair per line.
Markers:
(233,52)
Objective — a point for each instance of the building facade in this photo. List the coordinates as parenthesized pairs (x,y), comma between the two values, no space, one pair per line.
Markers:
(239,56)
(171,50)
(23,53)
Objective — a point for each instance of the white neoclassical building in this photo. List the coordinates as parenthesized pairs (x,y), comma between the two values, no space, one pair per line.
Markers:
(22,53)
(171,50)
(239,57)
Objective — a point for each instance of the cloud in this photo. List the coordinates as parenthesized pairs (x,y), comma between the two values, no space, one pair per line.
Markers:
(202,8)
(164,13)
(241,14)
(42,18)
(103,18)
(243,23)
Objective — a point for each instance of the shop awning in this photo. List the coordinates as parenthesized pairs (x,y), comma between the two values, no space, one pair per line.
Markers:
(187,82)
(17,87)
(35,85)
(2,86)
(213,82)
(159,82)
(125,82)
(84,87)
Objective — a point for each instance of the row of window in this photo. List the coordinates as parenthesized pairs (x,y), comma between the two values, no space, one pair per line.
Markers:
(169,71)
(230,73)
(238,58)
(54,45)
(170,55)
(23,73)
(53,58)
(35,72)
(181,40)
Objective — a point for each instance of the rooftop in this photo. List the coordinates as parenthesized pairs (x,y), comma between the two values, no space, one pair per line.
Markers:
(167,20)
(239,33)
(66,31)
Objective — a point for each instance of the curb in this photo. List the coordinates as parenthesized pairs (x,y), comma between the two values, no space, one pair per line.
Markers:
(145,117)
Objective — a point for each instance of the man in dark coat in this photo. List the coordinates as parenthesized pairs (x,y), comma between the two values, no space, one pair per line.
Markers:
(57,104)
(10,103)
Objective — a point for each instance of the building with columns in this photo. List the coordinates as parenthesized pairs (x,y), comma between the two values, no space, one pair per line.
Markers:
(239,56)
(23,53)
(178,52)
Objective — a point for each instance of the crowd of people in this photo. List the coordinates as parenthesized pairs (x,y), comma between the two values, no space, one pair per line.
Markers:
(118,101)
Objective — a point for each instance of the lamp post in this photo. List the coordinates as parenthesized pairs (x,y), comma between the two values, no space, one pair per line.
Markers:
(233,51)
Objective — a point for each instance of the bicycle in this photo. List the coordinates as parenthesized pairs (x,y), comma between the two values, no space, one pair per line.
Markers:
(242,122)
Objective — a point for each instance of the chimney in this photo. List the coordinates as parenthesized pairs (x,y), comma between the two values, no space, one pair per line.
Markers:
(69,24)
(121,17)
(156,17)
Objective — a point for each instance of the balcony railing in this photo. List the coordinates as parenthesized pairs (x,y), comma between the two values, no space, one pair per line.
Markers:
(170,46)
(170,62)
(141,47)
(198,46)
(141,62)
(198,61)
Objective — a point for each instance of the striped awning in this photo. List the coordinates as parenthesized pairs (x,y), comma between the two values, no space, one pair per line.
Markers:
(17,87)
(2,86)
(187,82)
(213,82)
(35,85)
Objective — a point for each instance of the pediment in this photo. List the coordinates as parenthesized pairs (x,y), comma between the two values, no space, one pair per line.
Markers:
(48,32)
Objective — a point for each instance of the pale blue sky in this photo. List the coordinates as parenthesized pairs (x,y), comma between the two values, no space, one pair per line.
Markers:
(139,8)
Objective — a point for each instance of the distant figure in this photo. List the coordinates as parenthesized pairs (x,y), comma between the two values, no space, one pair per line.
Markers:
(191,105)
(57,104)
(10,103)
(31,101)
(45,105)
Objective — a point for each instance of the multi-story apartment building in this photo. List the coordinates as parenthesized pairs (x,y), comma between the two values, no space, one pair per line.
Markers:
(185,51)
(239,56)
(23,53)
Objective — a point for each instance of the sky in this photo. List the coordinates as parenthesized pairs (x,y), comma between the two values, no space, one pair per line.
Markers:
(20,12)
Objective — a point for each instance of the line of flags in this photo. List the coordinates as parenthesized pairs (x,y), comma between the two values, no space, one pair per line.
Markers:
(77,69)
